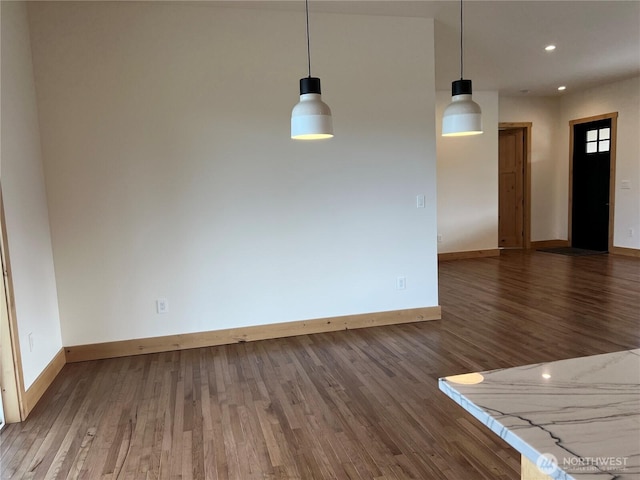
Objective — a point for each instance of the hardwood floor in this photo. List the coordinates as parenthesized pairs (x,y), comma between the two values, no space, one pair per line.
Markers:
(360,404)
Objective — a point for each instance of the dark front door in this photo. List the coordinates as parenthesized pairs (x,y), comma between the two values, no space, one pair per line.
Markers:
(591,177)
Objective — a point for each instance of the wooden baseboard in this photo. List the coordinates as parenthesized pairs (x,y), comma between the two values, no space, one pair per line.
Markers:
(124,348)
(44,380)
(549,244)
(627,252)
(445,257)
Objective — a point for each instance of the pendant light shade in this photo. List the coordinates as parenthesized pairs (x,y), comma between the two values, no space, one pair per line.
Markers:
(311,117)
(463,116)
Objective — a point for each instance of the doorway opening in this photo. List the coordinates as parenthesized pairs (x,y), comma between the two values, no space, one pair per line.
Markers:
(514,185)
(11,380)
(591,182)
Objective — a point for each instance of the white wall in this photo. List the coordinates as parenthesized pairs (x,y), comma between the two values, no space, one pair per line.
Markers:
(23,188)
(468,181)
(170,171)
(548,163)
(622,97)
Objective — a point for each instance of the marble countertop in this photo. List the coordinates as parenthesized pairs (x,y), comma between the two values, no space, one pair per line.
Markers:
(576,419)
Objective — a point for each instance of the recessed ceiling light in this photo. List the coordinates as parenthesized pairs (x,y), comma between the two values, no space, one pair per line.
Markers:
(561,88)
(546,376)
(550,48)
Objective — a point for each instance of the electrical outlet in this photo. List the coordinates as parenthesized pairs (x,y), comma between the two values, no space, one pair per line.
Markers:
(631,233)
(30,336)
(439,238)
(162,305)
(420,201)
(401,283)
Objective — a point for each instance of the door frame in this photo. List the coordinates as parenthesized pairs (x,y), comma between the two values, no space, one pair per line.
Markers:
(612,170)
(526,178)
(11,377)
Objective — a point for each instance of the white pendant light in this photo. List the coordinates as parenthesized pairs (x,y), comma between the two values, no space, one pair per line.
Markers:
(463,116)
(311,117)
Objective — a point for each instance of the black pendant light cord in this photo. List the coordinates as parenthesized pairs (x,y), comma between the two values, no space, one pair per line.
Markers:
(461,47)
(306,6)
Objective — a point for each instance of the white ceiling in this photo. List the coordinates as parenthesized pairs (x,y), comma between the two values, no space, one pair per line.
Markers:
(597,41)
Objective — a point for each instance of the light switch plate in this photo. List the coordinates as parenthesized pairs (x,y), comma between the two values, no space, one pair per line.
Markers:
(162,305)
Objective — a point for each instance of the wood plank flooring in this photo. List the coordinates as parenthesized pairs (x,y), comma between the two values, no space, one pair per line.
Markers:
(361,404)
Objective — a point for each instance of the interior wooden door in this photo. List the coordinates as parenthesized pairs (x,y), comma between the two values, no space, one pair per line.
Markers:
(511,188)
